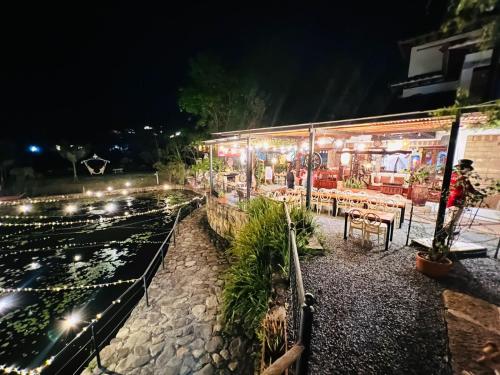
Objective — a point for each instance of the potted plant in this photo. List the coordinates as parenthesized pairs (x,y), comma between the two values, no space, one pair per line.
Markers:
(222,197)
(417,190)
(435,263)
(354,184)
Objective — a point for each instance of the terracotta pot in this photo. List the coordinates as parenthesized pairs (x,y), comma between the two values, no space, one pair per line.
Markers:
(222,200)
(431,268)
(419,195)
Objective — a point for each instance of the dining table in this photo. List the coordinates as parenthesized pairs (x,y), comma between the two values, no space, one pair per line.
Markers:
(385,217)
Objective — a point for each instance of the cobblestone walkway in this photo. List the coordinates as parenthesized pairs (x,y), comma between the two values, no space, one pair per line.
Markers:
(180,331)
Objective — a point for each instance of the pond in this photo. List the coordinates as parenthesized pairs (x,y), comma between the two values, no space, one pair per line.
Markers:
(47,246)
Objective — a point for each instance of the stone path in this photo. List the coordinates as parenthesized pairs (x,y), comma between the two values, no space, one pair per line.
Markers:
(181,331)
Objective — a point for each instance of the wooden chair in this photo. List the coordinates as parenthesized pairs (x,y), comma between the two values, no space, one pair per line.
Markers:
(374,226)
(343,202)
(325,201)
(392,207)
(356,222)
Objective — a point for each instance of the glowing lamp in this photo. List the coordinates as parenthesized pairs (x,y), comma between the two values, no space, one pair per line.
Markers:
(345,158)
(109,188)
(110,207)
(99,194)
(34,149)
(339,143)
(127,184)
(273,160)
(71,321)
(89,193)
(25,208)
(77,258)
(70,209)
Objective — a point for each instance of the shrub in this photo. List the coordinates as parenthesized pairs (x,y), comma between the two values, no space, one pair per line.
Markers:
(259,250)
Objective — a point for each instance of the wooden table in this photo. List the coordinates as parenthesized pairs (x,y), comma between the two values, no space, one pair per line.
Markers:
(385,217)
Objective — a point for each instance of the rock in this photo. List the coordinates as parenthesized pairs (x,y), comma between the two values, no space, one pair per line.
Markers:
(206,370)
(190,263)
(217,359)
(198,311)
(123,333)
(218,328)
(138,338)
(232,366)
(189,361)
(211,302)
(224,354)
(135,361)
(141,350)
(167,354)
(215,344)
(181,341)
(156,349)
(197,353)
(181,351)
(203,331)
(236,348)
(197,344)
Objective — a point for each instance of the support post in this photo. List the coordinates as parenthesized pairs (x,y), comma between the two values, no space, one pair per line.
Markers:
(305,331)
(211,169)
(310,168)
(145,290)
(96,347)
(409,223)
(249,170)
(439,235)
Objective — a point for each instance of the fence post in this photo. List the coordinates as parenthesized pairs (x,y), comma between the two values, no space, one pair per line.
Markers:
(305,331)
(145,290)
(162,258)
(96,346)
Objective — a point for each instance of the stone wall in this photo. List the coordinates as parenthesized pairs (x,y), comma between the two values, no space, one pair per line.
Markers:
(484,150)
(225,219)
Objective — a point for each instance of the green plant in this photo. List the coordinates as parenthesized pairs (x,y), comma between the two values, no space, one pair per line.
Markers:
(354,183)
(419,175)
(258,250)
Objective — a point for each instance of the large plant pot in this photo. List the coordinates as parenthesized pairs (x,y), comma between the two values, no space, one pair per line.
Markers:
(431,268)
(419,195)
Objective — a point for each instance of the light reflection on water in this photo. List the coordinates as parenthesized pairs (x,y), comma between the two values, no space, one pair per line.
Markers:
(110,251)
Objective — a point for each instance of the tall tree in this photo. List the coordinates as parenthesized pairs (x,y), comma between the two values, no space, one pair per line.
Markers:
(222,99)
(73,154)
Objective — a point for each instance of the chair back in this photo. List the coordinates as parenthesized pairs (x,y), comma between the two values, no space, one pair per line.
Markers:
(372,220)
(356,216)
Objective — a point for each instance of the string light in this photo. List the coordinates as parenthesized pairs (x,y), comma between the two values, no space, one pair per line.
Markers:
(63,288)
(49,361)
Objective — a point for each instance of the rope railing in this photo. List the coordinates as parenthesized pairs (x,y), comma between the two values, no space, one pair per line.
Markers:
(85,346)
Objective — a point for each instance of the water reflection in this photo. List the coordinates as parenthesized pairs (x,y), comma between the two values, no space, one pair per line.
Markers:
(83,254)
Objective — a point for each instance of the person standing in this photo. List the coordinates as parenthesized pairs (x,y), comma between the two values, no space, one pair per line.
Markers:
(290,178)
(460,187)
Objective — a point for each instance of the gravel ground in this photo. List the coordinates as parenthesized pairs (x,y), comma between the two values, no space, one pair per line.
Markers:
(376,314)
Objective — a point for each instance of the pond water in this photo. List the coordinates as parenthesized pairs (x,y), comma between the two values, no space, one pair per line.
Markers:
(114,239)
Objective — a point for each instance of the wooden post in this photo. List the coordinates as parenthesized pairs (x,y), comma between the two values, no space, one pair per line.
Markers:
(211,169)
(249,170)
(310,168)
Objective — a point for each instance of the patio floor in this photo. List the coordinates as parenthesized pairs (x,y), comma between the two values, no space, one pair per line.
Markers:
(375,313)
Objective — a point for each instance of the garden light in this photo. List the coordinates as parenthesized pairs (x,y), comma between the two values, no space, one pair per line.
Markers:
(25,208)
(99,194)
(110,207)
(109,188)
(71,321)
(6,303)
(70,208)
(34,149)
(127,184)
(77,258)
(89,193)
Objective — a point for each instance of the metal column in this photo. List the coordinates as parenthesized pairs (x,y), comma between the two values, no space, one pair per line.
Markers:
(439,235)
(249,170)
(211,170)
(310,168)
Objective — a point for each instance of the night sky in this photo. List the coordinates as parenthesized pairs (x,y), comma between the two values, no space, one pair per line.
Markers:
(75,72)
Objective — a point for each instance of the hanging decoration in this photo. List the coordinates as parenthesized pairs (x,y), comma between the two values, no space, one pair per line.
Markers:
(98,159)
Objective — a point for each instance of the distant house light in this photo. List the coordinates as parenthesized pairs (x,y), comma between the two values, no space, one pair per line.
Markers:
(34,149)
(147,127)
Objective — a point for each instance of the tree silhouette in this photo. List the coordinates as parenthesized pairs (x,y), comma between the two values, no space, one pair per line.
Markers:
(72,153)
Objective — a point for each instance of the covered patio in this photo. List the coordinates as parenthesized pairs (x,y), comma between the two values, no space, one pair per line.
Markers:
(385,167)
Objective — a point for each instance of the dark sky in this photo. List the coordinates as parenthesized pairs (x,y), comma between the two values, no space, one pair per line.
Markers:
(79,70)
